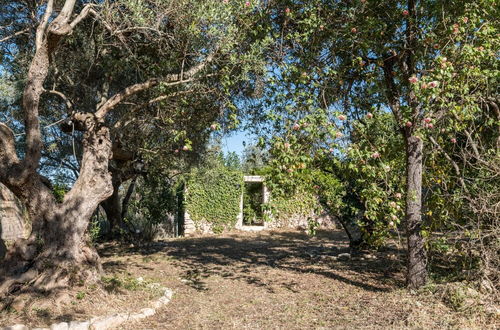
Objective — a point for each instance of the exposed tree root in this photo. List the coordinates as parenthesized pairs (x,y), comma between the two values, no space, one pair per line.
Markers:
(49,272)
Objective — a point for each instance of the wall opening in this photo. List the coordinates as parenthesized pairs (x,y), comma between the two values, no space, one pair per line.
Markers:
(253,198)
(254,195)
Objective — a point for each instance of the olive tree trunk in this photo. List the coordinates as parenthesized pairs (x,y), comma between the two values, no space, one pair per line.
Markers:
(58,252)
(114,207)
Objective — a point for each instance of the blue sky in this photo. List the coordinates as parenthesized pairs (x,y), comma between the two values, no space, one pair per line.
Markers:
(234,142)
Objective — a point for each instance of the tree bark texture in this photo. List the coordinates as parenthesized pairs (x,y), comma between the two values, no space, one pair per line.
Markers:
(417,259)
(115,208)
(112,205)
(127,197)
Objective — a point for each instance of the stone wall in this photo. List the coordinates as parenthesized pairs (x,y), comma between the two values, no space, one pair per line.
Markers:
(295,221)
(300,221)
(199,227)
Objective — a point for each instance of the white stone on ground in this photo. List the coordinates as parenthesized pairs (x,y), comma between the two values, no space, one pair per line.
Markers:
(59,326)
(104,322)
(344,256)
(16,327)
(108,322)
(75,325)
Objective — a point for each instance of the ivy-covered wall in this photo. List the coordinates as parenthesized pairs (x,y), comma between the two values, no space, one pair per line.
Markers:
(213,197)
(299,204)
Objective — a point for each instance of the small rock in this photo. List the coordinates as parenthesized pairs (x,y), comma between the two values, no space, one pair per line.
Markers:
(74,325)
(154,285)
(148,312)
(16,327)
(311,255)
(168,293)
(487,286)
(108,322)
(472,292)
(161,302)
(59,326)
(344,256)
(136,316)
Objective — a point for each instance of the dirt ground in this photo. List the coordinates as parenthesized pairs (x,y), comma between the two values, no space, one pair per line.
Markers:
(265,280)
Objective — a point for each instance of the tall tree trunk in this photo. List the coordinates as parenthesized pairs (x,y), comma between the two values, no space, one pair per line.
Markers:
(112,205)
(417,259)
(115,209)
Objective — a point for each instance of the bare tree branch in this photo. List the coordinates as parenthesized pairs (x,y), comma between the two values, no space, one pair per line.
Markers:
(69,104)
(84,13)
(65,13)
(15,34)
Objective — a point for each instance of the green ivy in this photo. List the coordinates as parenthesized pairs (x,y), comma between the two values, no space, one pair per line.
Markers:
(301,203)
(59,190)
(213,195)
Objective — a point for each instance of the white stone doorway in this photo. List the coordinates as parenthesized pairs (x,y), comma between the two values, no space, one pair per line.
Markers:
(256,184)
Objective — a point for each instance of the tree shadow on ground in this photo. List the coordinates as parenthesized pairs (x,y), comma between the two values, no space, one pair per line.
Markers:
(249,256)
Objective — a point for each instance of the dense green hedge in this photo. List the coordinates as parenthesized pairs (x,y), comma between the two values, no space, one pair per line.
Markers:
(213,195)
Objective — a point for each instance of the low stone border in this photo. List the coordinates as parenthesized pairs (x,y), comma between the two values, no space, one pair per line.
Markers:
(105,322)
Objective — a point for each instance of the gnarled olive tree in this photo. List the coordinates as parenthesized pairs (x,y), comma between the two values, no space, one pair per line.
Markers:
(166,49)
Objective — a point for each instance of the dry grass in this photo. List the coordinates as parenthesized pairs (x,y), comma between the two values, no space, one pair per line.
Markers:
(268,280)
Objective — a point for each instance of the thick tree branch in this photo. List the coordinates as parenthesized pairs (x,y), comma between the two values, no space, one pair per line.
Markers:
(40,31)
(119,97)
(391,91)
(83,14)
(120,123)
(169,80)
(126,199)
(37,73)
(63,18)
(411,42)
